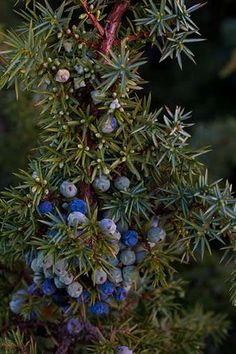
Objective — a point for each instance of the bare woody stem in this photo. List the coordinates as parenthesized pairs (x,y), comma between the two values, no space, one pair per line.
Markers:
(112,25)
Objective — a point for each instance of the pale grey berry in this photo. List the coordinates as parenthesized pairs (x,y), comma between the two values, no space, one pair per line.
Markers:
(127,257)
(62,75)
(68,189)
(130,274)
(115,275)
(66,278)
(75,289)
(59,284)
(107,226)
(48,262)
(101,184)
(99,277)
(60,267)
(122,183)
(156,234)
(76,218)
(35,266)
(109,125)
(124,350)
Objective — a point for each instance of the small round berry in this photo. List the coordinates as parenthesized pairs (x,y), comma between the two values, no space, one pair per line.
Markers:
(66,278)
(76,218)
(107,226)
(16,306)
(106,288)
(48,287)
(84,298)
(123,350)
(17,301)
(68,189)
(59,284)
(156,234)
(99,276)
(130,274)
(122,183)
(35,266)
(109,125)
(48,262)
(101,184)
(99,308)
(115,275)
(62,75)
(40,258)
(127,257)
(120,294)
(129,238)
(60,267)
(75,289)
(74,326)
(45,207)
(79,205)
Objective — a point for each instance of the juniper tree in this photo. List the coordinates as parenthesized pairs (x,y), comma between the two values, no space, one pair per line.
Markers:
(114,198)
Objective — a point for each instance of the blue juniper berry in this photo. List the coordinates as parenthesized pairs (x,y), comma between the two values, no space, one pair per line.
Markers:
(46,207)
(48,287)
(99,308)
(74,326)
(79,205)
(120,294)
(129,238)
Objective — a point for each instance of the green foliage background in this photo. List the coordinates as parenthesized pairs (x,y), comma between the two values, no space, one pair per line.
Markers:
(200,88)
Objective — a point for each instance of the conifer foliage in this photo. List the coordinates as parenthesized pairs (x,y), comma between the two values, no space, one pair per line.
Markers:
(114,199)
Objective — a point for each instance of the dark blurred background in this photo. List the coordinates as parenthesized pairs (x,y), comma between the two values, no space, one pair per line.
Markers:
(208,89)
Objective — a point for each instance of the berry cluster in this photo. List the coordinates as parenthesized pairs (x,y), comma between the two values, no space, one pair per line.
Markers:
(101,287)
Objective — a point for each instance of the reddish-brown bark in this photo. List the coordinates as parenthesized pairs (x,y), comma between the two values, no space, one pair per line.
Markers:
(112,25)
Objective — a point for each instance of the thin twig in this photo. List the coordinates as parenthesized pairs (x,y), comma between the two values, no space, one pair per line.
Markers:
(94,20)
